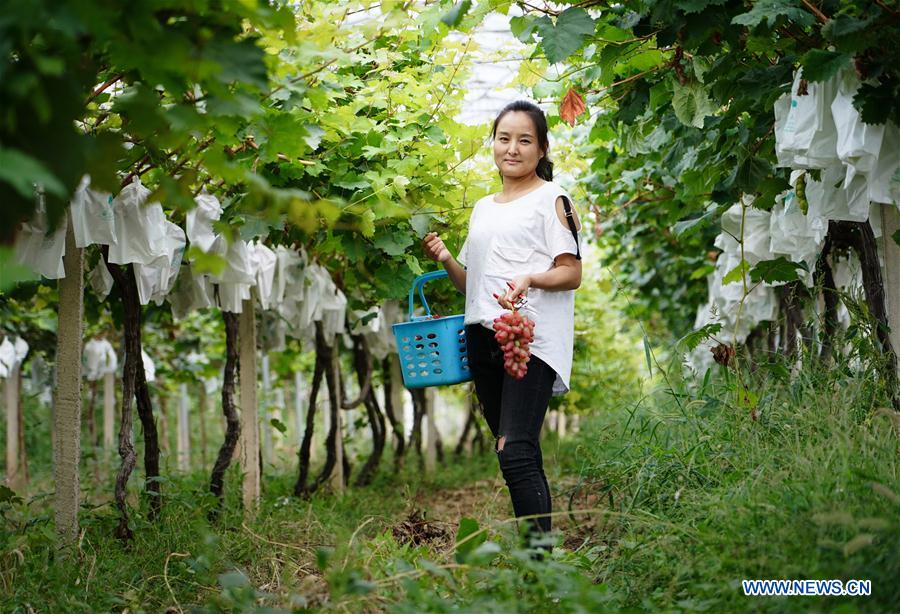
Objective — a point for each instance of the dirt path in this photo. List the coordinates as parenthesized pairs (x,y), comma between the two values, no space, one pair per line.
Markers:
(433,516)
(484,500)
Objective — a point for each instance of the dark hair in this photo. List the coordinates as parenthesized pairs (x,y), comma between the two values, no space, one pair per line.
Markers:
(544,168)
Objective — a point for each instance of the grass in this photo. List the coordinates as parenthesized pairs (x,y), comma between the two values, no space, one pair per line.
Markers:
(662,506)
(705,496)
(180,557)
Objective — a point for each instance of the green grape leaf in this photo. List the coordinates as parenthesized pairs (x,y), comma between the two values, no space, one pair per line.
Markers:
(643,60)
(278,425)
(421,223)
(255,226)
(366,221)
(567,35)
(609,56)
(692,104)
(284,135)
(736,274)
(848,31)
(819,65)
(413,263)
(767,189)
(688,227)
(769,11)
(694,338)
(313,136)
(436,134)
(140,104)
(751,173)
(11,272)
(468,533)
(455,15)
(611,33)
(392,281)
(702,272)
(8,495)
(633,104)
(368,318)
(775,271)
(239,62)
(356,251)
(21,171)
(524,27)
(351,181)
(875,101)
(203,262)
(696,6)
(548,89)
(399,184)
(393,243)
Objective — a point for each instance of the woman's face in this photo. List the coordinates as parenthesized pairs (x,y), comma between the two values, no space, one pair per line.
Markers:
(516,149)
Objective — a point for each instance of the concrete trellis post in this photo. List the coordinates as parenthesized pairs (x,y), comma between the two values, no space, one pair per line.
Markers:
(208,409)
(472,408)
(249,408)
(337,476)
(278,412)
(431,426)
(323,408)
(561,423)
(890,216)
(109,411)
(67,396)
(264,409)
(184,430)
(399,395)
(23,457)
(12,357)
(163,397)
(13,471)
(550,423)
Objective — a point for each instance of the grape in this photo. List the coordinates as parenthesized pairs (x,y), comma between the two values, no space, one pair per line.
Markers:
(514,333)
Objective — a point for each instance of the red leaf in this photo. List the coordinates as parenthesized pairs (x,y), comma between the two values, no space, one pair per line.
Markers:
(572,106)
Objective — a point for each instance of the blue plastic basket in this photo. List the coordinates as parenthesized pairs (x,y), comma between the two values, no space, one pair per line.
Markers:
(433,351)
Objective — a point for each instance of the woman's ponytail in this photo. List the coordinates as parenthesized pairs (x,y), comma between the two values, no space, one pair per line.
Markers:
(544,168)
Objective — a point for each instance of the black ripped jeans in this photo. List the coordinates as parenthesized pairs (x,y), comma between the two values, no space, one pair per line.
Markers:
(515,411)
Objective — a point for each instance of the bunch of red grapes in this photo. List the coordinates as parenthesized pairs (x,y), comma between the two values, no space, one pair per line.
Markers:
(514,333)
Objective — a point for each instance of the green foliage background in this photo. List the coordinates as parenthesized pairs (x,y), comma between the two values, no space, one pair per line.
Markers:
(320,131)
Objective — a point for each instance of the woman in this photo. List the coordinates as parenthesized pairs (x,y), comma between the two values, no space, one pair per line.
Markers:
(520,242)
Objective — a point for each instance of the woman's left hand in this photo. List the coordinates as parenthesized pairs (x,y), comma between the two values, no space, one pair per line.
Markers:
(518,285)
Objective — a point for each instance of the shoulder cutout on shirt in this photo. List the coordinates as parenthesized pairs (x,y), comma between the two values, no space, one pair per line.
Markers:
(561,214)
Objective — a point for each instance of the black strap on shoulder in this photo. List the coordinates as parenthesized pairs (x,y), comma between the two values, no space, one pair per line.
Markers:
(570,219)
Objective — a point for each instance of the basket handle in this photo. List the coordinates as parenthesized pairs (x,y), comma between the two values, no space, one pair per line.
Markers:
(419,285)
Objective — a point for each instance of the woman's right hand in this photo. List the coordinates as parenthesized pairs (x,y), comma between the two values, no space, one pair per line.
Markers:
(435,249)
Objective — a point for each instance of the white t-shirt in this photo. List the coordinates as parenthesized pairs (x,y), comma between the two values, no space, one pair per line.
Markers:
(517,238)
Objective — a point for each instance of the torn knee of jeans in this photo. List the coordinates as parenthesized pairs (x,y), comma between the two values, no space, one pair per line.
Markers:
(513,449)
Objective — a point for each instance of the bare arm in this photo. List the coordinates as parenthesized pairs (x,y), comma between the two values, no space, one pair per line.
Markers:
(565,274)
(457,274)
(435,249)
